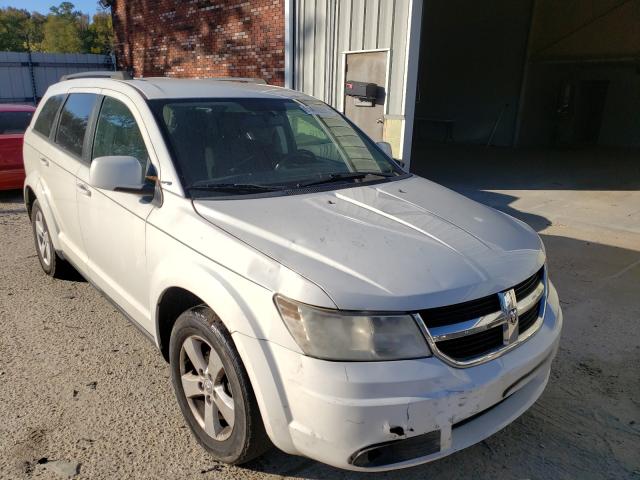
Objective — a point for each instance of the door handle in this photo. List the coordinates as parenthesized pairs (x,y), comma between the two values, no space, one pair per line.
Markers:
(380,120)
(83,189)
(44,161)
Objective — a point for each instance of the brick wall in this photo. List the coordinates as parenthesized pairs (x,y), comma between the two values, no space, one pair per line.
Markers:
(201,38)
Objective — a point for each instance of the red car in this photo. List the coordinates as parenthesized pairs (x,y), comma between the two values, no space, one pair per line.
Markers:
(14,120)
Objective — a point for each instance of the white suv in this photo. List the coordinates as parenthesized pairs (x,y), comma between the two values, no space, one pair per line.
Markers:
(306,290)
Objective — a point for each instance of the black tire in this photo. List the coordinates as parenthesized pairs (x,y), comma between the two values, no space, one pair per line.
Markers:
(247,438)
(52,264)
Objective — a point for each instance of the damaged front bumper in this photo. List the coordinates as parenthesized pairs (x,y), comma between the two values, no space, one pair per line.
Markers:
(375,416)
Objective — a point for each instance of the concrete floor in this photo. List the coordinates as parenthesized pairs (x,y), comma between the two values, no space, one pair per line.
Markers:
(78,383)
(585,204)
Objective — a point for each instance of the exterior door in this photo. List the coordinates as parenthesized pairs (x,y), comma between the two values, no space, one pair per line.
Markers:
(370,67)
(114,223)
(59,164)
(592,98)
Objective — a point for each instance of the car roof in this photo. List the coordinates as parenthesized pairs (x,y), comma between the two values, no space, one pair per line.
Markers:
(14,107)
(154,88)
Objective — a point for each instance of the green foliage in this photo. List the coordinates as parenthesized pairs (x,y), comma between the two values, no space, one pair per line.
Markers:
(61,35)
(13,29)
(64,30)
(100,34)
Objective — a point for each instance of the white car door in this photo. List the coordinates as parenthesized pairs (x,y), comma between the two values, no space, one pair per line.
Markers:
(59,159)
(113,222)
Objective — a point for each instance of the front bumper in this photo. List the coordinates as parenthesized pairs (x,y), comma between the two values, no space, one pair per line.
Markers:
(334,411)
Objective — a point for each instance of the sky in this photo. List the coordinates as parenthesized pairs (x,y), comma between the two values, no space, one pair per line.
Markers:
(42,6)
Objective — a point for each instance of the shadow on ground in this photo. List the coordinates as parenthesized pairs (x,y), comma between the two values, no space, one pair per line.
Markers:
(495,168)
(14,197)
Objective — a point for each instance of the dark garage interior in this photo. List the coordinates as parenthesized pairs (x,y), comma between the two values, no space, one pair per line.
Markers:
(533,107)
(529,73)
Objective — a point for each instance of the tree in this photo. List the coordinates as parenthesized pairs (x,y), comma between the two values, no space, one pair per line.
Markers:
(64,29)
(101,34)
(35,31)
(66,10)
(61,35)
(13,29)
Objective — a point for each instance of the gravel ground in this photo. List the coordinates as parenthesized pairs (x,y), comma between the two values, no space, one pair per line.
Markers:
(83,392)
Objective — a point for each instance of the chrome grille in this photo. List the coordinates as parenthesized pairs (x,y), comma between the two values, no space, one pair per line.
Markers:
(469,346)
(473,332)
(525,288)
(441,316)
(528,319)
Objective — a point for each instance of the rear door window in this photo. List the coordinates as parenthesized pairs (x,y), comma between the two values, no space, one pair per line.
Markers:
(74,119)
(44,122)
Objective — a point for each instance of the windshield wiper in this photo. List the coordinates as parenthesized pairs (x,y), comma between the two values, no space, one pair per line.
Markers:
(337,177)
(233,187)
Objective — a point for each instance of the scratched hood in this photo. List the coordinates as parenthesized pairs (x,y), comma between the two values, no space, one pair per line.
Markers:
(400,245)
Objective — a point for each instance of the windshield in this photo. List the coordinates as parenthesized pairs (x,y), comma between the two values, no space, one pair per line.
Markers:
(248,146)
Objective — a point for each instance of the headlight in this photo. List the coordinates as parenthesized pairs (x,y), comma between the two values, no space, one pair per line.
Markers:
(336,335)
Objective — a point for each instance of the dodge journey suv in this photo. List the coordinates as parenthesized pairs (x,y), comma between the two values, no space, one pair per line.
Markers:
(307,291)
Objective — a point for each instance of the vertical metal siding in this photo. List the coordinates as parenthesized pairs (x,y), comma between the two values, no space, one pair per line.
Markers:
(308,51)
(400,30)
(371,14)
(356,42)
(320,46)
(15,76)
(325,29)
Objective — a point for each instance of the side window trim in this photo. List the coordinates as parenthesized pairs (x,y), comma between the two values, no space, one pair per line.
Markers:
(56,118)
(89,138)
(56,122)
(90,126)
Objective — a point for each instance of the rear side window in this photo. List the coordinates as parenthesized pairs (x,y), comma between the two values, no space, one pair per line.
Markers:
(73,121)
(14,122)
(44,122)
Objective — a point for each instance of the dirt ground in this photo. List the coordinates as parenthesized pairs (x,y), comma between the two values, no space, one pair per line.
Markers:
(79,384)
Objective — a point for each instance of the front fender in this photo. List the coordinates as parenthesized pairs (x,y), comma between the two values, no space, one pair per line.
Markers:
(242,305)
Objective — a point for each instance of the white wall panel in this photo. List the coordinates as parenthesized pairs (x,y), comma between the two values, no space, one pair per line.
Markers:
(325,29)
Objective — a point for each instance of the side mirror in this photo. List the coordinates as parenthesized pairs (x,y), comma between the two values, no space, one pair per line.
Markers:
(386,148)
(117,173)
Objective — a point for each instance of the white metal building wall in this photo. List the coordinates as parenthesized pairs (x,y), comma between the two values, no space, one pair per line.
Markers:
(323,30)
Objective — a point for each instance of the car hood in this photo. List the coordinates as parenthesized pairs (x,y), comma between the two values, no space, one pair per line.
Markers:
(396,246)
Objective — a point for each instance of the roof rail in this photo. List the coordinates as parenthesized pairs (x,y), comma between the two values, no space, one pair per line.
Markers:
(117,75)
(237,79)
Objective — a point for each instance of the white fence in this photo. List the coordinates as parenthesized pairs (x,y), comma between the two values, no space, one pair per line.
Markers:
(24,77)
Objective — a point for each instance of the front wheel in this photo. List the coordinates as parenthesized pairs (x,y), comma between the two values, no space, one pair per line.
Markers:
(213,389)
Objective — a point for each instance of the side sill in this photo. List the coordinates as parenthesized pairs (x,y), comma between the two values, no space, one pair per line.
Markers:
(131,320)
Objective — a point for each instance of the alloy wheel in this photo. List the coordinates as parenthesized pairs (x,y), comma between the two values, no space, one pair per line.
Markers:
(42,238)
(206,387)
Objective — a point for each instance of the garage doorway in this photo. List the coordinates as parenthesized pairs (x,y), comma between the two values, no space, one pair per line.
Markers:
(591,102)
(524,73)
